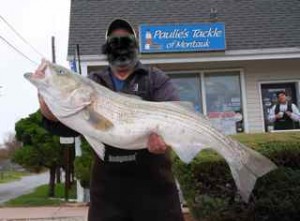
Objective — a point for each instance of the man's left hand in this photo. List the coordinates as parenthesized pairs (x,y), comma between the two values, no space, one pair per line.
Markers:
(288,113)
(156,144)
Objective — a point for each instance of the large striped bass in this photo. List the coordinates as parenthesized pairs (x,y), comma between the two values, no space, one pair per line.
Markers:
(104,116)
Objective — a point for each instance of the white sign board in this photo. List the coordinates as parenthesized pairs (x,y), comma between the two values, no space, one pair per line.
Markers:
(66,140)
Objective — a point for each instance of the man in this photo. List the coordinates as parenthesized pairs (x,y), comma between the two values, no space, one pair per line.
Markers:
(284,115)
(142,187)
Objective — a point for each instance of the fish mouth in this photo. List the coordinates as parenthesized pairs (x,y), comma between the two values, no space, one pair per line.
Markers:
(28,75)
(35,76)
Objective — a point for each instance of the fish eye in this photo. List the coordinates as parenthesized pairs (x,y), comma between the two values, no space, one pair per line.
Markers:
(61,71)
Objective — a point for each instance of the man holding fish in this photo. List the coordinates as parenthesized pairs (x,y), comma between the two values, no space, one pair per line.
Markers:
(132,177)
(128,184)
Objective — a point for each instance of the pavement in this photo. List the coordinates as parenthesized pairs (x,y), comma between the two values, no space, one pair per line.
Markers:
(25,185)
(63,213)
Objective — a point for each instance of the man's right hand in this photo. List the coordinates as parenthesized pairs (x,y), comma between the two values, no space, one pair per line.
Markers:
(45,109)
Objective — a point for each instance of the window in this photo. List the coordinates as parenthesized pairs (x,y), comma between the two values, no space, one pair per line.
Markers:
(222,97)
(224,102)
(188,86)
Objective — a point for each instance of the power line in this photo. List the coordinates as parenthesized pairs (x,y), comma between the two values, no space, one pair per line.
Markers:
(17,50)
(20,36)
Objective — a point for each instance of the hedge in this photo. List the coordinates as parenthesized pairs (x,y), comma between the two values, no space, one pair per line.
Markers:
(211,195)
(210,191)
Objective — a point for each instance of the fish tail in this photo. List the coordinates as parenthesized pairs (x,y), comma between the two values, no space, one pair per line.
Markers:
(253,166)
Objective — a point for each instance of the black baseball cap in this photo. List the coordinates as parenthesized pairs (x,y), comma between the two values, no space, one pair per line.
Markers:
(119,24)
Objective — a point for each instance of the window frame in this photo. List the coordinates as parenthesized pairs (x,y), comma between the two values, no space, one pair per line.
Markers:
(202,90)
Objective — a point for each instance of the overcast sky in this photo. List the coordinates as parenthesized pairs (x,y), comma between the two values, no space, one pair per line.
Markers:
(36,21)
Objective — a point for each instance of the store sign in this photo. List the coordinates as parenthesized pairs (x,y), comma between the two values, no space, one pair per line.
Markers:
(182,38)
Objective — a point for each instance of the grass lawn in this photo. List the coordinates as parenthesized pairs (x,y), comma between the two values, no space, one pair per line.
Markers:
(10,176)
(40,197)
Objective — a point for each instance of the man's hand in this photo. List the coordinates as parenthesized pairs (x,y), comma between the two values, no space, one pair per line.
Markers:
(156,144)
(279,115)
(45,109)
(288,113)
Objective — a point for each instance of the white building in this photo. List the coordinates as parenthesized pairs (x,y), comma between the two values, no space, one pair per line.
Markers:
(234,86)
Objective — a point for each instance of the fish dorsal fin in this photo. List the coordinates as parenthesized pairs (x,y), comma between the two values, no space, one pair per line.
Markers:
(130,96)
(96,119)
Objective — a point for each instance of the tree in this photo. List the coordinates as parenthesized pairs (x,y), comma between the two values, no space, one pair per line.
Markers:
(3,154)
(11,144)
(40,148)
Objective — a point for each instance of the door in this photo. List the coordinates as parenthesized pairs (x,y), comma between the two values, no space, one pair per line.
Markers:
(269,98)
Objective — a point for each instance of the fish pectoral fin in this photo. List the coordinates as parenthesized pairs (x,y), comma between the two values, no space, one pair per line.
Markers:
(97,146)
(98,121)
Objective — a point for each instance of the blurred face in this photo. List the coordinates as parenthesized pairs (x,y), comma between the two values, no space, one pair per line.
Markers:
(282,98)
(122,55)
(120,32)
(122,73)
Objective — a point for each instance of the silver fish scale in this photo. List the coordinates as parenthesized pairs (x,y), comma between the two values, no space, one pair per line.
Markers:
(127,111)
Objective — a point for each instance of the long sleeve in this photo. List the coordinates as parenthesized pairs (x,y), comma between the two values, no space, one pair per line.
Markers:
(163,88)
(271,116)
(59,129)
(295,115)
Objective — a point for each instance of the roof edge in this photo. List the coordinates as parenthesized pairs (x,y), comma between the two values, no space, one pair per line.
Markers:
(229,55)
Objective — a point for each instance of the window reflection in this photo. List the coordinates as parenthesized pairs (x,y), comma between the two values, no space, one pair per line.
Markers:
(223,101)
(188,86)
(222,96)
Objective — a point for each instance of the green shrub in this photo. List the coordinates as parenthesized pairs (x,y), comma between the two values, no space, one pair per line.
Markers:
(210,191)
(277,196)
(211,195)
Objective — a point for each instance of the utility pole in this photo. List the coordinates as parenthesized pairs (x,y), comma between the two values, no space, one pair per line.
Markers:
(53,49)
(78,57)
(65,145)
(58,173)
(81,193)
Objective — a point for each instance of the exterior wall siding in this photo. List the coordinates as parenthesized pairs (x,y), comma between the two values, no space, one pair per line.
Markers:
(255,72)
(264,72)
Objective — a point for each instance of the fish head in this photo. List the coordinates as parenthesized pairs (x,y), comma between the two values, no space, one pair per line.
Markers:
(64,92)
(54,78)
